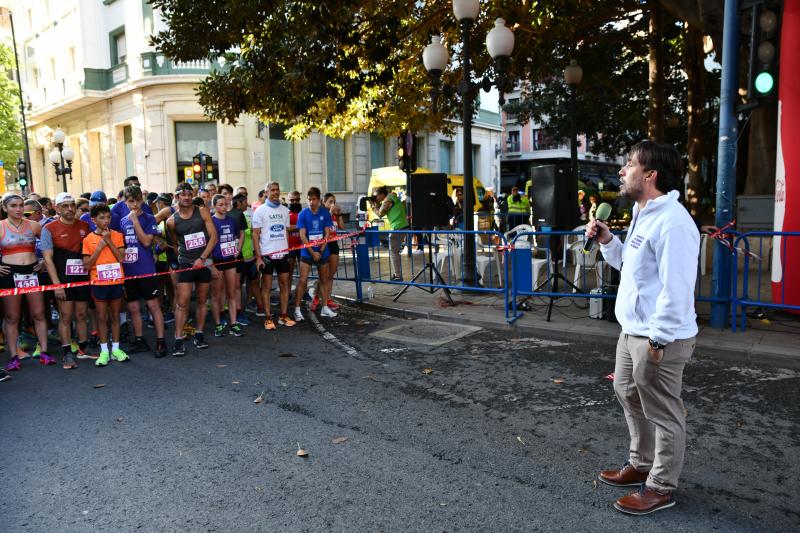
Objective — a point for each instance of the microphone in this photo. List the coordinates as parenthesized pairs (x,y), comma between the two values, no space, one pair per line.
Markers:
(602,213)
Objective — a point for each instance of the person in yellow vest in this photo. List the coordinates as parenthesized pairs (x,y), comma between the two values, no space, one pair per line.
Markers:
(519,209)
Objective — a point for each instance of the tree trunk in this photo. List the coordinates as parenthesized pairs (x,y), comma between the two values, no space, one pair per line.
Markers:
(762,147)
(693,57)
(655,115)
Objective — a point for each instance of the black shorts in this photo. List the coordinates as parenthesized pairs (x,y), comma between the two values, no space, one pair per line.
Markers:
(281,266)
(142,289)
(200,275)
(7,281)
(333,247)
(294,254)
(162,266)
(106,293)
(78,294)
(229,264)
(309,261)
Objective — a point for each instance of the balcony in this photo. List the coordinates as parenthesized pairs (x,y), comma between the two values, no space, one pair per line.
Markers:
(513,146)
(104,79)
(154,64)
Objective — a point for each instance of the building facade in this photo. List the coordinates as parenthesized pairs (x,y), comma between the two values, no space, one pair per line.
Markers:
(88,68)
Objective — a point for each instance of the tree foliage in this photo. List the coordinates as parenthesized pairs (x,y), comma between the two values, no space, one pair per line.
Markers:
(11,141)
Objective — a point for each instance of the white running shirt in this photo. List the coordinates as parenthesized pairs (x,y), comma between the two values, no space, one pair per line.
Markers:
(272,221)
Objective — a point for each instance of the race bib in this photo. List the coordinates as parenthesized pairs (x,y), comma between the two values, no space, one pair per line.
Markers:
(75,267)
(315,237)
(195,240)
(131,254)
(109,271)
(228,249)
(26,281)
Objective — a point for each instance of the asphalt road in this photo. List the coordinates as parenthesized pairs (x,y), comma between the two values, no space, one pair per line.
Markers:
(489,432)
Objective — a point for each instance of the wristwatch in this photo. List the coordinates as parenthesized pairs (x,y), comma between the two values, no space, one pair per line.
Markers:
(655,345)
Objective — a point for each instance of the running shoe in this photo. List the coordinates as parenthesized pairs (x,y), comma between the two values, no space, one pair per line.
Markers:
(139,346)
(161,349)
(119,356)
(169,317)
(200,341)
(251,307)
(241,319)
(307,297)
(284,320)
(178,350)
(328,312)
(333,305)
(260,312)
(13,364)
(298,315)
(37,352)
(103,359)
(314,304)
(22,354)
(94,340)
(269,324)
(236,330)
(46,360)
(219,330)
(68,362)
(80,354)
(312,291)
(4,376)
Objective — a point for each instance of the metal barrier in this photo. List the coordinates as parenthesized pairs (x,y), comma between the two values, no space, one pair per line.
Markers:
(435,259)
(744,298)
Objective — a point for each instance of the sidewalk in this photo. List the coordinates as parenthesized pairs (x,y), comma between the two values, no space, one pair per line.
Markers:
(762,344)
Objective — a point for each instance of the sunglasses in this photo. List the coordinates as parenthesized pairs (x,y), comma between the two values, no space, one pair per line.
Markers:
(294,200)
(85,209)
(30,213)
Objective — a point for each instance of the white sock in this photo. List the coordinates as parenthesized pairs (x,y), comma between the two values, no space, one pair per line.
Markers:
(114,346)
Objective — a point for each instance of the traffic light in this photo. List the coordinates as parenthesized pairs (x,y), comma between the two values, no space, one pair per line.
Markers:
(209,167)
(22,174)
(406,156)
(764,47)
(197,168)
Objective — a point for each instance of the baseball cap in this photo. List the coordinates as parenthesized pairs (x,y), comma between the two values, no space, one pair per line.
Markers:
(98,197)
(64,198)
(152,197)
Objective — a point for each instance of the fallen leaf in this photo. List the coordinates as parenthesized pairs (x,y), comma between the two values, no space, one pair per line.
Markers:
(739,423)
(372,377)
(259,398)
(99,385)
(594,483)
(338,440)
(301,452)
(521,441)
(236,382)
(582,450)
(427,371)
(287,354)
(558,381)
(221,366)
(120,419)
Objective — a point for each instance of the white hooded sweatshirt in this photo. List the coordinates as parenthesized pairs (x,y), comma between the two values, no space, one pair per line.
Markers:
(658,265)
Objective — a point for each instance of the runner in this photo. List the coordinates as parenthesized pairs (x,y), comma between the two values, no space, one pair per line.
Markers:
(314,224)
(120,209)
(192,228)
(270,223)
(18,247)
(103,252)
(139,229)
(246,268)
(97,198)
(333,263)
(223,273)
(62,246)
(294,234)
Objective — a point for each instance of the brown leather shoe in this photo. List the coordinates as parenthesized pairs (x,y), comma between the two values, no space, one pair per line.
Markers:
(627,476)
(644,501)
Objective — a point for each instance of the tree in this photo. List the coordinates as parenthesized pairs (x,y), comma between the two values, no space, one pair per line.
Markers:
(11,141)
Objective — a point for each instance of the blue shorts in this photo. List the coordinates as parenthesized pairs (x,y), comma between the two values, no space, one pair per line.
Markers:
(107,293)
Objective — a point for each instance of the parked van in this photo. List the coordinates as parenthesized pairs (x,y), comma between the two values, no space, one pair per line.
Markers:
(394,179)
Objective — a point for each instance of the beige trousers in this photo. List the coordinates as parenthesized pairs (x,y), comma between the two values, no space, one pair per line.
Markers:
(650,394)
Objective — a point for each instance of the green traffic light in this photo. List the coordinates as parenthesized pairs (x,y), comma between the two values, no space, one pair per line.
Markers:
(764,82)
(23,182)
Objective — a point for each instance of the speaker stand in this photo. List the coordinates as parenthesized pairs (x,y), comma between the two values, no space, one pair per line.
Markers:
(554,276)
(429,267)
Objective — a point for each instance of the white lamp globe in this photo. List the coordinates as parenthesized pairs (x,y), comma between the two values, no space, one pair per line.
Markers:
(59,136)
(69,154)
(466,9)
(435,56)
(55,156)
(500,40)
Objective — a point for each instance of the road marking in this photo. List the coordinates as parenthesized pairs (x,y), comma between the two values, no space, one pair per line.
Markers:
(330,337)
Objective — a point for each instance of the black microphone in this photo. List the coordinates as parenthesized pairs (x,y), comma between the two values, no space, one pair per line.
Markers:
(602,213)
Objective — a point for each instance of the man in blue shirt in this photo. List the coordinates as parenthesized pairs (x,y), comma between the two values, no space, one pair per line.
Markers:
(314,224)
(99,197)
(121,209)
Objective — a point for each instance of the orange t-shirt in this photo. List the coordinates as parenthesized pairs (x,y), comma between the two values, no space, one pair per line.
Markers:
(106,270)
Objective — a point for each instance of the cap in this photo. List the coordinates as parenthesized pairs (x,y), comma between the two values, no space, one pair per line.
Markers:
(98,197)
(164,198)
(64,198)
(152,197)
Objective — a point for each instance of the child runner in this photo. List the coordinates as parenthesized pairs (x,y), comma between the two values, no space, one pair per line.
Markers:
(223,273)
(103,253)
(330,204)
(314,224)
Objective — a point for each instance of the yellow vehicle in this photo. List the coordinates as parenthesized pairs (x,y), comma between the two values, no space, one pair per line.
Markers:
(394,179)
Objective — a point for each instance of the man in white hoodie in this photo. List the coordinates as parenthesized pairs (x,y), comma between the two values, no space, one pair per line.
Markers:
(655,307)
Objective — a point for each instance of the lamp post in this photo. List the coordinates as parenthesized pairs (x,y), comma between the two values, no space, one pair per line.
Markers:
(60,155)
(573,75)
(500,44)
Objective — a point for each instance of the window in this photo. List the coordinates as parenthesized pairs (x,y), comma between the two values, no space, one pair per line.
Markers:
(336,164)
(281,158)
(512,117)
(476,159)
(127,139)
(52,68)
(71,59)
(35,78)
(192,138)
(118,46)
(30,20)
(377,151)
(446,157)
(512,143)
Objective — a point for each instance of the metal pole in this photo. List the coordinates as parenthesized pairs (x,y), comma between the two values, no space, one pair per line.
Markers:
(573,143)
(726,160)
(21,105)
(468,274)
(63,167)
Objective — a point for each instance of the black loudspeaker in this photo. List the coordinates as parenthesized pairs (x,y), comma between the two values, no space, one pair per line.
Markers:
(428,194)
(555,197)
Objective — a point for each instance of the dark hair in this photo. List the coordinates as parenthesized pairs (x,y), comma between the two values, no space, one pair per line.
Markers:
(664,159)
(314,191)
(183,186)
(262,193)
(43,201)
(238,198)
(99,208)
(134,192)
(226,187)
(164,197)
(198,201)
(129,179)
(327,196)
(112,201)
(121,193)
(86,195)
(382,190)
(216,198)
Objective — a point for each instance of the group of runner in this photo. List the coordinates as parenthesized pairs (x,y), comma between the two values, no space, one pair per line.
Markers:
(160,249)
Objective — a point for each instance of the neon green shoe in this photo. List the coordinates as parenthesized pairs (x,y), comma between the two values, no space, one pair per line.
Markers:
(119,356)
(37,351)
(73,346)
(103,359)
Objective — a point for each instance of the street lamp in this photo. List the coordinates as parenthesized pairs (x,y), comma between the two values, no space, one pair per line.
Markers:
(60,155)
(500,44)
(573,75)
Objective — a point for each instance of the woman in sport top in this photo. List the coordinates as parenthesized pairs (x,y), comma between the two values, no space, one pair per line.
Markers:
(329,202)
(223,272)
(18,247)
